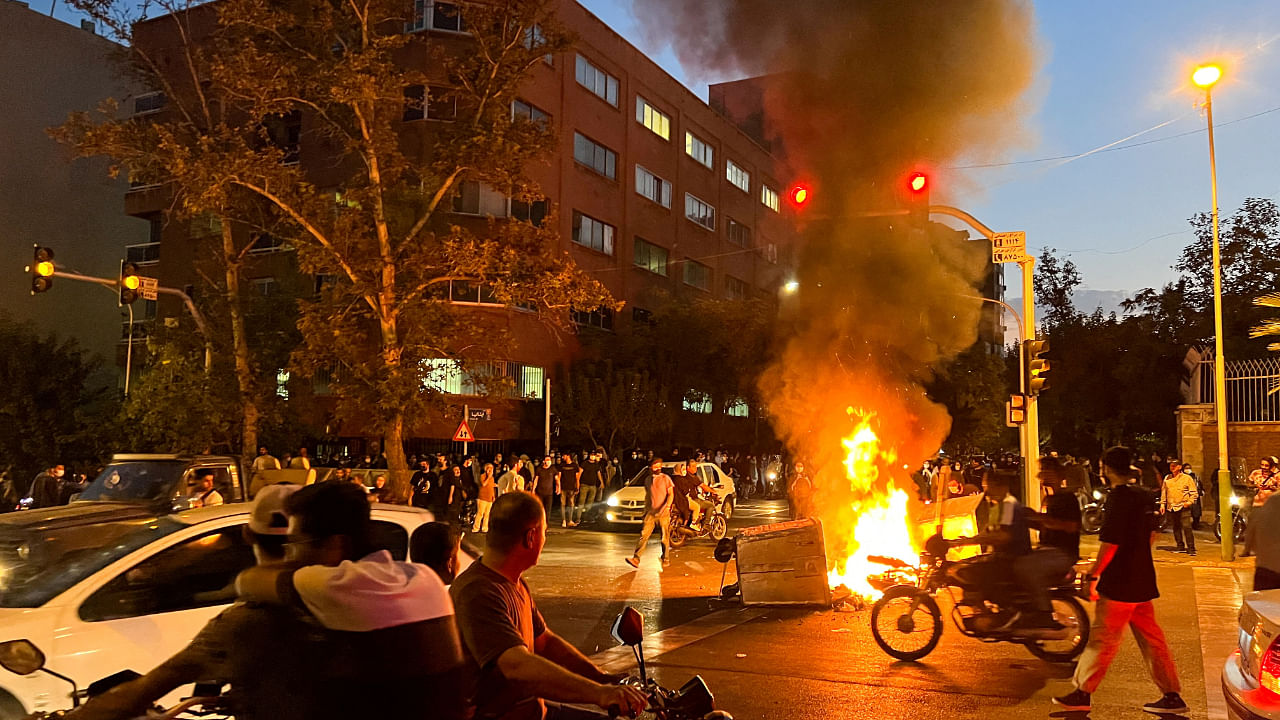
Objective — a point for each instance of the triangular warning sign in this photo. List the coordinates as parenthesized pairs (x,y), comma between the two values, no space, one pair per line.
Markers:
(464,433)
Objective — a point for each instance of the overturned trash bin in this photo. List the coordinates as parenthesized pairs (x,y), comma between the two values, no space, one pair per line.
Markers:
(783,564)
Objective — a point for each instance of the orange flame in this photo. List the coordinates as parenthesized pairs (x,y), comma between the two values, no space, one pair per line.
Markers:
(882,521)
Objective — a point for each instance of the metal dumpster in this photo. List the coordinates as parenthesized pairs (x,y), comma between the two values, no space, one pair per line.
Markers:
(783,564)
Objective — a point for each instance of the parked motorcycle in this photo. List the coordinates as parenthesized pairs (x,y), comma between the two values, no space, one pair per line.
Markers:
(1239,520)
(22,657)
(693,701)
(713,524)
(1091,510)
(907,621)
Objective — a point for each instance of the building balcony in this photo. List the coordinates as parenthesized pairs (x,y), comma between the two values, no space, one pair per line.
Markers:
(143,253)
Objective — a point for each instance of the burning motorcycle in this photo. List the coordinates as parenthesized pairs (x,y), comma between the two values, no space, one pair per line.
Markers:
(22,657)
(907,622)
(693,701)
(713,524)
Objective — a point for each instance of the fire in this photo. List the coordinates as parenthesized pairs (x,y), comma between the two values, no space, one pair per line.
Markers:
(881,517)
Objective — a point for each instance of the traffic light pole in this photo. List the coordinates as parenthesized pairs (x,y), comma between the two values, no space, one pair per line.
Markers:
(201,325)
(1030,430)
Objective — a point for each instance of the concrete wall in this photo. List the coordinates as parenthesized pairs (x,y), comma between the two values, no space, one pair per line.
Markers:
(1246,442)
(48,69)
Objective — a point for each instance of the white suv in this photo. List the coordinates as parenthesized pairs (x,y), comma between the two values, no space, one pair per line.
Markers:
(104,587)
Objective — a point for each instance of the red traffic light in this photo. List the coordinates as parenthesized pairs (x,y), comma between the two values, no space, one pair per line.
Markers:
(799,195)
(917,182)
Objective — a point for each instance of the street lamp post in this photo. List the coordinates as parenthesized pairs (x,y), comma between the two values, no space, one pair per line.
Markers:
(1205,77)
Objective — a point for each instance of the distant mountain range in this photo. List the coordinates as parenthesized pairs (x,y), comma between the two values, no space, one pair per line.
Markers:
(1086,301)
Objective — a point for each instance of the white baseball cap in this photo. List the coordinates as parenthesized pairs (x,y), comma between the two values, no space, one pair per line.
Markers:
(268,516)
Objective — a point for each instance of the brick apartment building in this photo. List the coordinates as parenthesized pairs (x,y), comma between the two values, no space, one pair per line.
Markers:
(658,194)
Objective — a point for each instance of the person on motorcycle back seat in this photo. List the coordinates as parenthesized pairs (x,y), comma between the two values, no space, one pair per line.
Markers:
(691,486)
(1008,538)
(1059,527)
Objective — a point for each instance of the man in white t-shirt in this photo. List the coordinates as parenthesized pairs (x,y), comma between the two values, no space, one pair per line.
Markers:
(200,490)
(265,461)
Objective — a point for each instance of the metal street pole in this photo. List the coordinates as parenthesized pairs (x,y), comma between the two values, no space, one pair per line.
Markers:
(546,430)
(1022,357)
(466,410)
(1219,359)
(1031,429)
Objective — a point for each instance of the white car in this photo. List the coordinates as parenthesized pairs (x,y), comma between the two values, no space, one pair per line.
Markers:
(626,505)
(1251,676)
(102,587)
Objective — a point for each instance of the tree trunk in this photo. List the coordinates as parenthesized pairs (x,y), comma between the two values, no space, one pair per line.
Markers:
(397,463)
(250,412)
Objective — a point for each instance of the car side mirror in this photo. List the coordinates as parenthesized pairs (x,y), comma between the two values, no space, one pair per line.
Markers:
(21,657)
(628,628)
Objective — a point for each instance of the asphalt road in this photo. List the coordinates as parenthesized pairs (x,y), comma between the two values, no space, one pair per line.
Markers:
(818,663)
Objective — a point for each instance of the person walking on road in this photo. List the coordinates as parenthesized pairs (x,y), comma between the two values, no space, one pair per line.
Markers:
(512,480)
(1123,579)
(1178,493)
(590,485)
(661,497)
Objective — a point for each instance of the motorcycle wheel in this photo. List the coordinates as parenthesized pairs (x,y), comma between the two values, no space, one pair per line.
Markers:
(903,633)
(1068,611)
(719,527)
(675,534)
(1091,521)
(1217,530)
(1240,529)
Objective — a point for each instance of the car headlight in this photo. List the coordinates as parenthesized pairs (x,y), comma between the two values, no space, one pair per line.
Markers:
(1235,500)
(1097,494)
(773,476)
(613,501)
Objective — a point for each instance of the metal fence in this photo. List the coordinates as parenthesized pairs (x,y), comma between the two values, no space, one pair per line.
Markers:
(1251,388)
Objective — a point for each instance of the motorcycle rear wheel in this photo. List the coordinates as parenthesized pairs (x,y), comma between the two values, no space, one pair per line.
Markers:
(1068,611)
(675,534)
(903,633)
(1091,521)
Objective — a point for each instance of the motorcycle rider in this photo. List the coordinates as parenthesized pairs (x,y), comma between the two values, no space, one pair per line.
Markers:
(1009,538)
(1059,527)
(518,668)
(690,488)
(264,652)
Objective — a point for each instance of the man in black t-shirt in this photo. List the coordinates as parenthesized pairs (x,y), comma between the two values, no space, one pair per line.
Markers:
(570,474)
(590,484)
(546,485)
(1125,580)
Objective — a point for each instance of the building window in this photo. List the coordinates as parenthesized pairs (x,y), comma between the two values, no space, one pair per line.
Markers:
(738,408)
(653,118)
(601,318)
(433,15)
(265,243)
(265,286)
(738,233)
(769,197)
(474,198)
(640,315)
(740,178)
(531,212)
(592,154)
(735,289)
(597,81)
(651,257)
(522,109)
(653,187)
(446,376)
(697,402)
(698,150)
(471,293)
(593,233)
(148,103)
(699,211)
(142,253)
(697,275)
(282,384)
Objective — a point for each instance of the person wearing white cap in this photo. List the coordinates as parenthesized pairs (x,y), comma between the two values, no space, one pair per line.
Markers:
(265,653)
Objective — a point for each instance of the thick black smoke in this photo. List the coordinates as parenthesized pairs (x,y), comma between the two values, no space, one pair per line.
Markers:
(861,92)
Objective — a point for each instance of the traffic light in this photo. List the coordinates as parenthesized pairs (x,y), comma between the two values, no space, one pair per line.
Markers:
(799,195)
(915,192)
(128,283)
(41,269)
(1036,366)
(1015,411)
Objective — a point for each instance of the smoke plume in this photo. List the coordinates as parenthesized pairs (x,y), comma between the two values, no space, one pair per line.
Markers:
(859,93)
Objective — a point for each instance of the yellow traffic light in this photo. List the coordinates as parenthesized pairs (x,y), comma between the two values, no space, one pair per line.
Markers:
(42,269)
(131,282)
(128,283)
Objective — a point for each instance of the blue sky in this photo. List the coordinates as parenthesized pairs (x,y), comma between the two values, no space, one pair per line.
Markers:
(1111,70)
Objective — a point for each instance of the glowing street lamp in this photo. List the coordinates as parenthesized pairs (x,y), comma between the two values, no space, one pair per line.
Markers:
(791,286)
(1205,77)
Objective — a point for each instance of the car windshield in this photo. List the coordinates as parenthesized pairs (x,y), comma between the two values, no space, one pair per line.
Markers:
(141,481)
(37,566)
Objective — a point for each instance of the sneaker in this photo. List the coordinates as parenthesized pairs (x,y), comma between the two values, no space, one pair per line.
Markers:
(1179,549)
(1171,703)
(1192,553)
(634,562)
(1075,700)
(666,562)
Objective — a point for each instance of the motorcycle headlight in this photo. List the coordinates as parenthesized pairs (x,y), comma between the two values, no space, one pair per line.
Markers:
(1235,501)
(613,501)
(1097,494)
(773,476)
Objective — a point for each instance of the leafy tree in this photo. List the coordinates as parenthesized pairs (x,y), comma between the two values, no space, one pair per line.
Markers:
(973,387)
(51,409)
(176,405)
(613,407)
